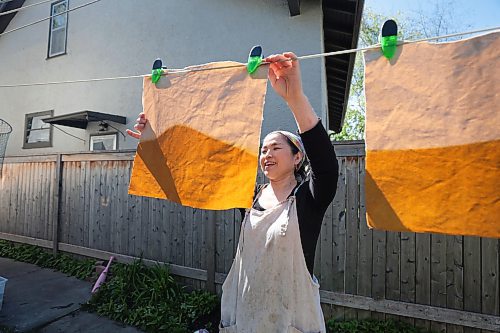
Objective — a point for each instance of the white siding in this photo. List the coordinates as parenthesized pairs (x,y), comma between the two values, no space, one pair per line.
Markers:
(117,38)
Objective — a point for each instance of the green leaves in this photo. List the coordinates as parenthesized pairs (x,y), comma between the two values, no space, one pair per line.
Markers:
(150,298)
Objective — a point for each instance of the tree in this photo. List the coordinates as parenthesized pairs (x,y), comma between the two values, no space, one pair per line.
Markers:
(439,20)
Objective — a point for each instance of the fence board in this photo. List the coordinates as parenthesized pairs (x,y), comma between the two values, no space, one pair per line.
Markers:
(136,230)
(121,211)
(229,218)
(423,274)
(365,244)
(352,227)
(219,243)
(74,204)
(87,202)
(339,238)
(490,276)
(94,205)
(40,216)
(172,232)
(379,264)
(408,270)
(52,221)
(179,257)
(114,232)
(454,278)
(472,277)
(352,230)
(188,240)
(393,279)
(165,232)
(325,251)
(5,201)
(20,221)
(16,193)
(32,199)
(438,276)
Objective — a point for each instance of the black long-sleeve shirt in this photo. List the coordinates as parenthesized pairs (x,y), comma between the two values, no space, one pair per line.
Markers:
(315,194)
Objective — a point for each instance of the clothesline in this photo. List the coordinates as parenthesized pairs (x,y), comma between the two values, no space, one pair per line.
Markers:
(24,7)
(48,18)
(311,56)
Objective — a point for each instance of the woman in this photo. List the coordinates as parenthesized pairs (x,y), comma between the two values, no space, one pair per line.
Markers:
(270,287)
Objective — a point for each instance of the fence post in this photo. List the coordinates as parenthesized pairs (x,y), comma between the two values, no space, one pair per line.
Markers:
(211,251)
(56,204)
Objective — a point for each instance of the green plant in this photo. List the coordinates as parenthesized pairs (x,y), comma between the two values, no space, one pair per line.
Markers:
(149,298)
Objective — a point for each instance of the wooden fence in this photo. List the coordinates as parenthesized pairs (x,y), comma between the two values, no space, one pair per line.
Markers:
(78,203)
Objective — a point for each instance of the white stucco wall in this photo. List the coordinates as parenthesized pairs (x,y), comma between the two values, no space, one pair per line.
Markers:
(123,37)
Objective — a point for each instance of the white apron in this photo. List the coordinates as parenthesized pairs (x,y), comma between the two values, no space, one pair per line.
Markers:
(269,289)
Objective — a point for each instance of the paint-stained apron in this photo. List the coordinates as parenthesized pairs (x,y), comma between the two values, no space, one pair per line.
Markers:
(269,289)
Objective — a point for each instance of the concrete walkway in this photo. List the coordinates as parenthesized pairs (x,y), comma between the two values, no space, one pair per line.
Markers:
(42,300)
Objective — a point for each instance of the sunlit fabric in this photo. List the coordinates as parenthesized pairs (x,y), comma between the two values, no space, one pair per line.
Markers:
(201,143)
(432,138)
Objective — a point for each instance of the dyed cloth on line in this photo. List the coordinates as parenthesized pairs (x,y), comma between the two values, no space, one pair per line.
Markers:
(432,138)
(201,143)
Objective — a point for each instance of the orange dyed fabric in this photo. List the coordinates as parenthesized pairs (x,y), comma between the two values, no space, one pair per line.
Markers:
(433,138)
(201,143)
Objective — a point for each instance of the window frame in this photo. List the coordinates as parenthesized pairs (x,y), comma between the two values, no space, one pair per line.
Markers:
(52,5)
(115,145)
(28,145)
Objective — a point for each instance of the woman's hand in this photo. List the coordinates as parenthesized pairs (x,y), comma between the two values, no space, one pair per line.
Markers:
(284,74)
(139,126)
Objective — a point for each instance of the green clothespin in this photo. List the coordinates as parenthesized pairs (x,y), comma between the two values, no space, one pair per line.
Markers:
(254,59)
(389,38)
(157,71)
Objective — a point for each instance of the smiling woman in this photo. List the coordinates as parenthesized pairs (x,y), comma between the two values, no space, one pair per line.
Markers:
(270,286)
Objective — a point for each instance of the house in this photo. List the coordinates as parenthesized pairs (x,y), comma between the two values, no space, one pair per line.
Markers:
(110,38)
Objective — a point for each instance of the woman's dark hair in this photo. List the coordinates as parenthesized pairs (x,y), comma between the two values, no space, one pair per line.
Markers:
(302,173)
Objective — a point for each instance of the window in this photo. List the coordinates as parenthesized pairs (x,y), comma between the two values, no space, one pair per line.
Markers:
(58,28)
(103,142)
(37,134)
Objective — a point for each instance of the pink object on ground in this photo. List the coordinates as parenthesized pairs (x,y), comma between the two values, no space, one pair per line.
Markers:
(102,277)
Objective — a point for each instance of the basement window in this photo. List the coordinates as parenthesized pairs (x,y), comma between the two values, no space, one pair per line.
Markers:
(103,142)
(37,133)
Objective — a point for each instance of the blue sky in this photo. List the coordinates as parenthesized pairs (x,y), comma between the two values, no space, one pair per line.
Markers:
(473,14)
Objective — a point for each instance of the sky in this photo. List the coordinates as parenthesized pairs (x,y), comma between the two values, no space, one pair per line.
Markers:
(472,14)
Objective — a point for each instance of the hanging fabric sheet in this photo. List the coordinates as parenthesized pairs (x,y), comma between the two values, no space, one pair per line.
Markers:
(201,143)
(432,138)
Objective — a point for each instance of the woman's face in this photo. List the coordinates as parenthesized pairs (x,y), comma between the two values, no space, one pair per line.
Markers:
(276,157)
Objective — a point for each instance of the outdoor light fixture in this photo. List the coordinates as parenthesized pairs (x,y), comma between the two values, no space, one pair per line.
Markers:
(103,126)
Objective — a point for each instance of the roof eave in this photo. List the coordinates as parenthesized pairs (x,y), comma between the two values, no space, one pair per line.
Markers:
(7,6)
